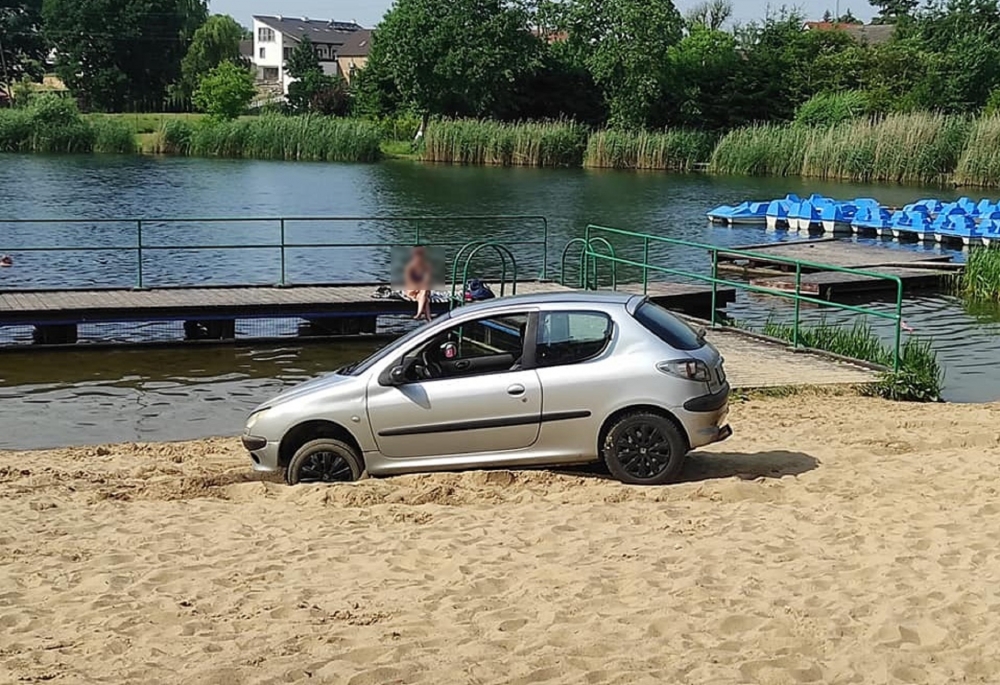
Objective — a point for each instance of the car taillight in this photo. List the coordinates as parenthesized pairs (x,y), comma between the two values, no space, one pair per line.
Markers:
(688,369)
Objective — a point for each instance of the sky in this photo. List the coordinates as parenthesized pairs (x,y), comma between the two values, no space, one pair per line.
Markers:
(368,12)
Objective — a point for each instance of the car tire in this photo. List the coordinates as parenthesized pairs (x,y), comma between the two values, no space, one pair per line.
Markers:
(645,449)
(324,461)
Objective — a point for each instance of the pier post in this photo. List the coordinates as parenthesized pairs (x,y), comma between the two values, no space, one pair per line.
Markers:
(55,334)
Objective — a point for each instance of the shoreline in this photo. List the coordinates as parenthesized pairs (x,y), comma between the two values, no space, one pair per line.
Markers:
(828,540)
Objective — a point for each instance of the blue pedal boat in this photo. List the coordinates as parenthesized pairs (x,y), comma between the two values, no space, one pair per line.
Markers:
(989,231)
(837,217)
(776,215)
(911,224)
(957,228)
(877,219)
(803,216)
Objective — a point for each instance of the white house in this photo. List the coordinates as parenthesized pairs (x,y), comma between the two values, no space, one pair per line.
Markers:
(274,38)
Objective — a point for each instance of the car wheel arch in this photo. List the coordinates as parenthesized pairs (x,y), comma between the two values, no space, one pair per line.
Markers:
(616,416)
(307,431)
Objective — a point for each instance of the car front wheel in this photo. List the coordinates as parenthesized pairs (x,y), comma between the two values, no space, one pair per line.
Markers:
(645,449)
(324,461)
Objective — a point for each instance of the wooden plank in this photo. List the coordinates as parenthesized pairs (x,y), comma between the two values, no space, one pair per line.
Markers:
(835,253)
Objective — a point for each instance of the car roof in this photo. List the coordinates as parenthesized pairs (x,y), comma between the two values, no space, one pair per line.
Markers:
(579,297)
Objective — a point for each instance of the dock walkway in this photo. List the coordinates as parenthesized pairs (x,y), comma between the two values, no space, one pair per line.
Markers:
(916,270)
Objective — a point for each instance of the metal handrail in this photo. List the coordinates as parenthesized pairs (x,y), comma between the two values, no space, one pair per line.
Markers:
(797,296)
(142,246)
(475,248)
(583,281)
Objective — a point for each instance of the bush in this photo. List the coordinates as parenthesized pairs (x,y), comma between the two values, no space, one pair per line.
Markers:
(471,141)
(225,92)
(45,124)
(827,109)
(174,137)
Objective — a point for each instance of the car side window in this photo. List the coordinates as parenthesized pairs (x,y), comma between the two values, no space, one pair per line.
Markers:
(490,345)
(571,337)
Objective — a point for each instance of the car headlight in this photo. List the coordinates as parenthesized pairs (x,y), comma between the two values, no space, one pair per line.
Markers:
(252,421)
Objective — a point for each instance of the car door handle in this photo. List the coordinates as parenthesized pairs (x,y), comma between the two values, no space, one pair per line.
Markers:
(516,390)
(463,365)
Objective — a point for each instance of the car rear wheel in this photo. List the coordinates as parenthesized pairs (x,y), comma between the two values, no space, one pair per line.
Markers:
(645,449)
(324,461)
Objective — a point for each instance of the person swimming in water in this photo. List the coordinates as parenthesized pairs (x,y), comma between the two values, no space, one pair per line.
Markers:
(6,260)
(417,279)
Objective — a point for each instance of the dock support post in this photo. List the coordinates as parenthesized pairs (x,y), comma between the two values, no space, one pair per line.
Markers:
(221,329)
(283,270)
(138,239)
(55,334)
(342,325)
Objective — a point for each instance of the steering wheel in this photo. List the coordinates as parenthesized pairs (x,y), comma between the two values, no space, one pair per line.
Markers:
(430,368)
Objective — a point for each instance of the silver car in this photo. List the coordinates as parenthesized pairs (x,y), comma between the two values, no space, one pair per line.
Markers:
(541,380)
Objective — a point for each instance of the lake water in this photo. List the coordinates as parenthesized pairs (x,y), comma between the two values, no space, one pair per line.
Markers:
(53,398)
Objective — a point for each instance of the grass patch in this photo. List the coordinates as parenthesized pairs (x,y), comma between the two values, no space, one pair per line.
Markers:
(399,149)
(470,141)
(677,150)
(980,280)
(900,148)
(918,380)
(302,138)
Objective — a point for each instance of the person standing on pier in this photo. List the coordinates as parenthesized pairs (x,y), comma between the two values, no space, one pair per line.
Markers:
(417,277)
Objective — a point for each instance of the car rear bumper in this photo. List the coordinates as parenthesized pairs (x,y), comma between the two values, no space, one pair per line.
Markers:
(263,454)
(706,418)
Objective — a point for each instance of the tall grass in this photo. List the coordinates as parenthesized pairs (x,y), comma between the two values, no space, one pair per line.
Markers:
(919,378)
(917,148)
(303,138)
(112,136)
(980,281)
(676,150)
(470,141)
(979,164)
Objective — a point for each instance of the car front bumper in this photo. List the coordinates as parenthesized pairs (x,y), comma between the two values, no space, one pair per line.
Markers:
(263,454)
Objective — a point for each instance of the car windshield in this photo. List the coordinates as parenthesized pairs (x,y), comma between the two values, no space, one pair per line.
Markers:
(668,327)
(361,367)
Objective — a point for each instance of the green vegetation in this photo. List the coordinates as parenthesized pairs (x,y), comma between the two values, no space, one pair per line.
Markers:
(678,150)
(827,109)
(979,164)
(52,124)
(468,141)
(918,380)
(917,148)
(305,138)
(980,281)
(216,41)
(225,92)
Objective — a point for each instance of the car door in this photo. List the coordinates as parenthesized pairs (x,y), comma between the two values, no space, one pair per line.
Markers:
(479,399)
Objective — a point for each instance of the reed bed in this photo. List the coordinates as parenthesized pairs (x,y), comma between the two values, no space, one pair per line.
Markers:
(979,164)
(48,124)
(672,150)
(980,281)
(302,138)
(471,141)
(912,148)
(918,380)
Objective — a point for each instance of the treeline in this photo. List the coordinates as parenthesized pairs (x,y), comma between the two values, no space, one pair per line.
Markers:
(640,64)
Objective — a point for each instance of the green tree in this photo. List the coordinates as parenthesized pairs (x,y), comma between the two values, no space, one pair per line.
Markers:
(216,41)
(303,59)
(709,14)
(22,47)
(226,91)
(455,58)
(625,45)
(121,53)
(891,11)
(704,69)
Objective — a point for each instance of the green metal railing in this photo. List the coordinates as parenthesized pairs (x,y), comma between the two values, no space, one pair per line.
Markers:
(646,267)
(142,247)
(469,251)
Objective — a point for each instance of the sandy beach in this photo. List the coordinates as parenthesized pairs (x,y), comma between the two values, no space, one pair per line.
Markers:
(832,540)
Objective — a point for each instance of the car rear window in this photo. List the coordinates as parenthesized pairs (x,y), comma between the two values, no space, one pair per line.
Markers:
(668,327)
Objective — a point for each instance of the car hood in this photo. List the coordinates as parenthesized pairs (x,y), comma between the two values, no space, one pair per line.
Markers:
(322,383)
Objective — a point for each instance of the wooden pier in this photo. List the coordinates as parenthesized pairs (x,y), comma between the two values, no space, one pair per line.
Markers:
(211,313)
(918,271)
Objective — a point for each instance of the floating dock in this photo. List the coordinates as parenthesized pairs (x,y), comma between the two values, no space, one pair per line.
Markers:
(211,313)
(768,269)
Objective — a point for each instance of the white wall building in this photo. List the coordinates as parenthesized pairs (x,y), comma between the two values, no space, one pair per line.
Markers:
(274,38)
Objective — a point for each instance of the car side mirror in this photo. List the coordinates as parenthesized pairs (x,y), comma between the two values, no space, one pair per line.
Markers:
(401,374)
